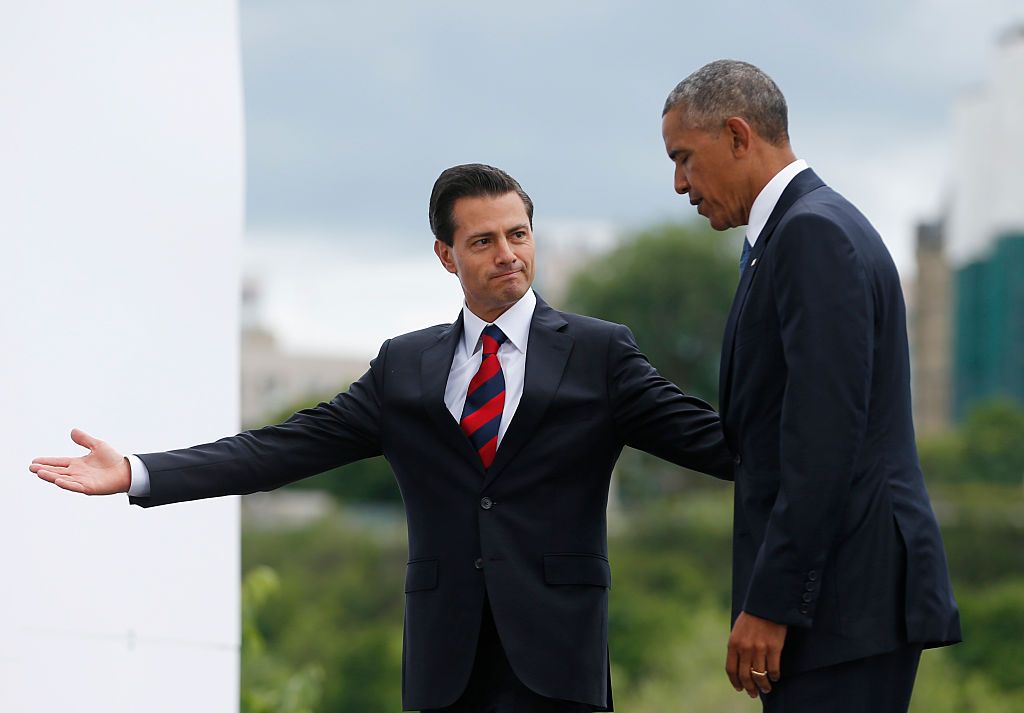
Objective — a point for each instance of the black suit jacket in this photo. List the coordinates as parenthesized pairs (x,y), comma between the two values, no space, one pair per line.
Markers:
(530,531)
(834,534)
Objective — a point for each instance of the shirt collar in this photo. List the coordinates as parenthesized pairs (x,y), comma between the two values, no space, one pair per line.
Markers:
(513,322)
(767,199)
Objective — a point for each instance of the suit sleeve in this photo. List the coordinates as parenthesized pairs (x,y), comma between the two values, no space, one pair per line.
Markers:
(826,316)
(314,440)
(652,414)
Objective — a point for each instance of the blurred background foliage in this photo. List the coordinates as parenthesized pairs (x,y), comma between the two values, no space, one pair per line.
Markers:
(323,602)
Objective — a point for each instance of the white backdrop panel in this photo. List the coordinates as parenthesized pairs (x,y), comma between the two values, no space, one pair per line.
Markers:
(121,211)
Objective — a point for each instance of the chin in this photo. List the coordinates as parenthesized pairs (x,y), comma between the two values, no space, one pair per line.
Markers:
(515,294)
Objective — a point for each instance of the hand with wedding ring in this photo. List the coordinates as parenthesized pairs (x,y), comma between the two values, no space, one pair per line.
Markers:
(755,652)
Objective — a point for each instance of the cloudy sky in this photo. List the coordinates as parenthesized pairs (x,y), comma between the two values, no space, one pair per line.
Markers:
(353,109)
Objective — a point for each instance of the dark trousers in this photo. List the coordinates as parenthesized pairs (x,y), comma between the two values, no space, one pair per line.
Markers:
(877,684)
(494,687)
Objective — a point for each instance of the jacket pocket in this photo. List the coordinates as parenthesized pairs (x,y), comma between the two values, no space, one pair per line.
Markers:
(420,574)
(572,568)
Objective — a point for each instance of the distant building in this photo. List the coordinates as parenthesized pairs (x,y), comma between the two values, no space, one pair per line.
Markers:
(931,333)
(989,351)
(273,380)
(563,250)
(981,235)
(988,156)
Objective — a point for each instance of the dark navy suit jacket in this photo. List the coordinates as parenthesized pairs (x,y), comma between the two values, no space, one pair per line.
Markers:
(834,534)
(530,532)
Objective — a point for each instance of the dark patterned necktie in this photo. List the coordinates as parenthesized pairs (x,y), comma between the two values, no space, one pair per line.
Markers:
(485,399)
(744,256)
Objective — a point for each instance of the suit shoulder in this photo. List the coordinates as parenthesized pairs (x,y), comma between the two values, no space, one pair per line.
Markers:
(584,324)
(594,333)
(825,210)
(418,339)
(826,216)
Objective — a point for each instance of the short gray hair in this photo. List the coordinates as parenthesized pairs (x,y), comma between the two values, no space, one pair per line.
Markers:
(727,88)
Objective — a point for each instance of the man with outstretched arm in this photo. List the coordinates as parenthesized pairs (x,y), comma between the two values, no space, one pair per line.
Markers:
(502,429)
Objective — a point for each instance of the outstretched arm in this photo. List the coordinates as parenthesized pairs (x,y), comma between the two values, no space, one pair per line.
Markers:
(314,440)
(655,416)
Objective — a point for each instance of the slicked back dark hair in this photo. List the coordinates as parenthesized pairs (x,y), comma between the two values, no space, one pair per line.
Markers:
(728,87)
(470,180)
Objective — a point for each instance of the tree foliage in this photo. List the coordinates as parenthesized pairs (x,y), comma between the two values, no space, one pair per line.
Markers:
(338,608)
(269,683)
(988,447)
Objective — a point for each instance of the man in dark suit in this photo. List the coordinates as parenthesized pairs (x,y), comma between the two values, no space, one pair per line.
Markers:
(839,574)
(502,429)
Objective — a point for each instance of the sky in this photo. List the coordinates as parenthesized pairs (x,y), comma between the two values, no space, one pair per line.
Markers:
(352,110)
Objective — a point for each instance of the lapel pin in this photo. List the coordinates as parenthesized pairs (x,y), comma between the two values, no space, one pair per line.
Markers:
(753,262)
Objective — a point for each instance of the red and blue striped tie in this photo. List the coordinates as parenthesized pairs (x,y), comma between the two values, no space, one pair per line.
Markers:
(485,399)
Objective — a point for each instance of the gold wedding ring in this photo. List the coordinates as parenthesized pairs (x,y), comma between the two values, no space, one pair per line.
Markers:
(758,673)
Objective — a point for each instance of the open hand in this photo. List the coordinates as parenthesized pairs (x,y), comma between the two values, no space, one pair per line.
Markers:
(103,471)
(755,644)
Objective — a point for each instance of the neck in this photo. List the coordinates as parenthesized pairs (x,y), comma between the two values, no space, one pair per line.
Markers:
(488,315)
(773,160)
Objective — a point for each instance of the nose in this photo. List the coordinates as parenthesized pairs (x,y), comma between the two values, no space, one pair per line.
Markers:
(505,256)
(682,186)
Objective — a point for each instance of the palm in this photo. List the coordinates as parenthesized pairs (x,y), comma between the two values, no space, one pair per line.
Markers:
(102,471)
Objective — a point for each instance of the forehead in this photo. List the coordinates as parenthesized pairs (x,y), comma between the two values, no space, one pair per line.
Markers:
(478,214)
(679,133)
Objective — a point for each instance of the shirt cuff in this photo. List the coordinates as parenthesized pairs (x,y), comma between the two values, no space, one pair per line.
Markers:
(140,478)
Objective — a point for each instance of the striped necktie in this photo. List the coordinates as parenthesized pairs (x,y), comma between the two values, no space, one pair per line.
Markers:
(485,398)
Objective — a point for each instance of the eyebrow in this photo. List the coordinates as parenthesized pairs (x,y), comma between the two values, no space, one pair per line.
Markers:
(489,233)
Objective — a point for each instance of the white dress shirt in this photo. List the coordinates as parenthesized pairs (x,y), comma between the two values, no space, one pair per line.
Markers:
(514,323)
(768,198)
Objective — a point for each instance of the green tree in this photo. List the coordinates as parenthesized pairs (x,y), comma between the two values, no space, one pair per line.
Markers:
(994,625)
(987,448)
(269,684)
(339,607)
(672,284)
(942,458)
(994,442)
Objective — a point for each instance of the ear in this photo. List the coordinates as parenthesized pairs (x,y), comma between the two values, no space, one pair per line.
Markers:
(446,255)
(741,135)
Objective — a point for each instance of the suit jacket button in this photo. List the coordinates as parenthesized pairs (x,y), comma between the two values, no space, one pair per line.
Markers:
(486,503)
(804,609)
(479,563)
(812,575)
(810,586)
(807,597)
(737,460)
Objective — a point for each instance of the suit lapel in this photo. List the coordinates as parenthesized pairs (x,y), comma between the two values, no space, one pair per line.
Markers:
(435,366)
(802,184)
(546,356)
(724,372)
